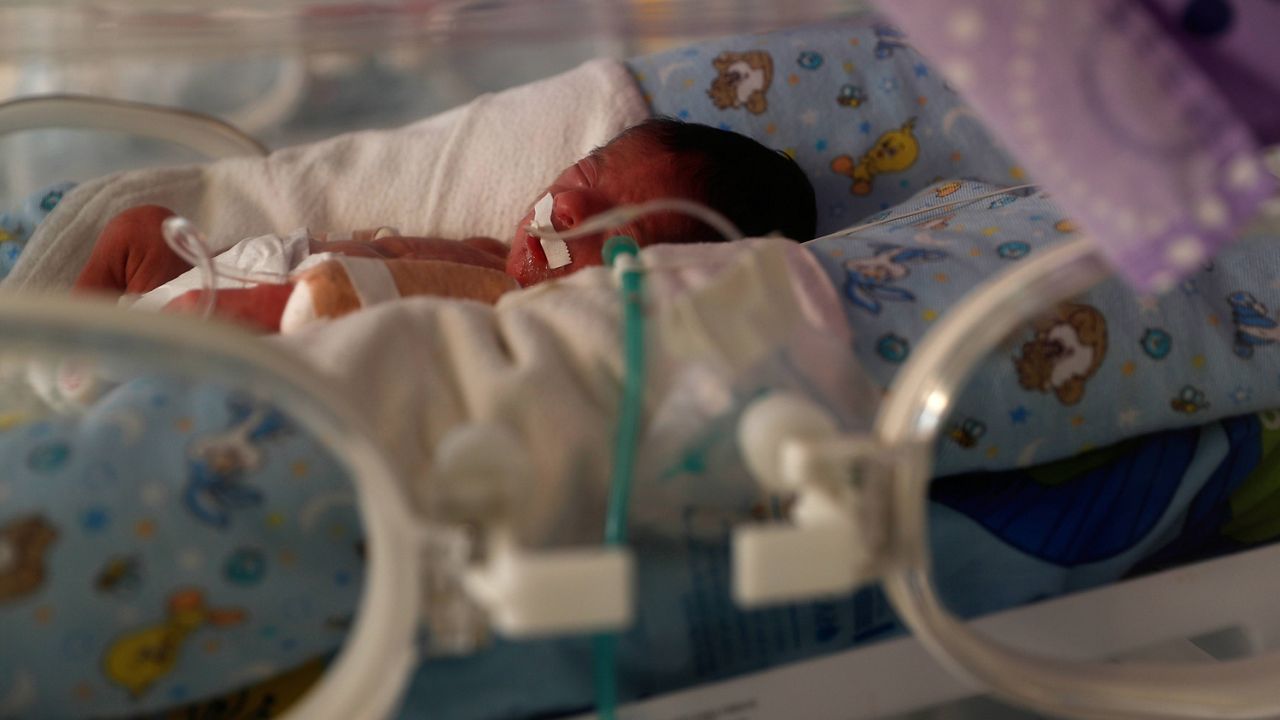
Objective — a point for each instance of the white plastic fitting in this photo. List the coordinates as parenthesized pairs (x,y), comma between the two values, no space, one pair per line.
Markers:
(480,473)
(785,440)
(532,594)
(769,423)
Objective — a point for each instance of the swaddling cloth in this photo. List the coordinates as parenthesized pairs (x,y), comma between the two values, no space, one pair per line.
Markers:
(345,284)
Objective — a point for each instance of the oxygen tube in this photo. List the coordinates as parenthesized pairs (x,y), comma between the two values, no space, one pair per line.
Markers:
(621,253)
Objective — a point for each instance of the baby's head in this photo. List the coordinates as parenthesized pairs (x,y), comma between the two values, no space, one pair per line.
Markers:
(760,190)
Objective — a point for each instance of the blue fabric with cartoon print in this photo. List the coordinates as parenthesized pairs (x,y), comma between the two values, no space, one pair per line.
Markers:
(1106,366)
(175,542)
(862,113)
(17,225)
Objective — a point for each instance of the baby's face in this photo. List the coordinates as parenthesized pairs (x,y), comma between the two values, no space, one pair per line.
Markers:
(626,172)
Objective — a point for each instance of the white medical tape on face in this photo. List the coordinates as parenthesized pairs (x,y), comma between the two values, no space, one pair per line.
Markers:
(557,250)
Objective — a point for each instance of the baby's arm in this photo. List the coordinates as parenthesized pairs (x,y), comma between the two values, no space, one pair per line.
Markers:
(328,291)
(131,255)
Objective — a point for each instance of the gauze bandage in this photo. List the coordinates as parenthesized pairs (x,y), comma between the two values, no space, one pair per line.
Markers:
(556,249)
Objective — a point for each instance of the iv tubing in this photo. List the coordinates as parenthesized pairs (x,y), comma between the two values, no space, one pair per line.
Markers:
(620,252)
(626,213)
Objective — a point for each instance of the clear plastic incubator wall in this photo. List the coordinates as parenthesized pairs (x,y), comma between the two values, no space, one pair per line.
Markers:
(643,359)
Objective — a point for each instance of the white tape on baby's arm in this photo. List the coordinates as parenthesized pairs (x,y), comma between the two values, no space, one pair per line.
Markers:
(300,311)
(370,279)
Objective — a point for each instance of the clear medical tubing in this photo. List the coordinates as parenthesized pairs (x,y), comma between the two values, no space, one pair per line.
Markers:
(617,218)
(921,396)
(202,133)
(368,676)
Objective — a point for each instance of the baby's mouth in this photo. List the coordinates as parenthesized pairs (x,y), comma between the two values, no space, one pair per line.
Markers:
(532,246)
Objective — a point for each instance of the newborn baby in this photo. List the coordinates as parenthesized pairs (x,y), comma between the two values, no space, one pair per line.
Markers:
(759,190)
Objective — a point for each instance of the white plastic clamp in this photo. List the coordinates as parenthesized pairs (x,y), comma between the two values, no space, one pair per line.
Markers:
(480,472)
(830,545)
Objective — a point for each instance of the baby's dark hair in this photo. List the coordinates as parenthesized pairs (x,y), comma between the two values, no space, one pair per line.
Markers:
(762,191)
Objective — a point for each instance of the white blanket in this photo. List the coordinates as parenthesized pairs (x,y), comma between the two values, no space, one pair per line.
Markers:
(469,171)
(546,363)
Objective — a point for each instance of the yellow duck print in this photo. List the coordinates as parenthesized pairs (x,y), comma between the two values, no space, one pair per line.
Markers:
(140,658)
(893,151)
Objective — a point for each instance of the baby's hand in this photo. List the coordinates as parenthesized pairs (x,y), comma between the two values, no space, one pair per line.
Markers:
(131,255)
(258,307)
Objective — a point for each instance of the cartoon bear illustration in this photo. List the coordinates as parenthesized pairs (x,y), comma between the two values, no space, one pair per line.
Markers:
(894,151)
(742,80)
(1067,350)
(23,542)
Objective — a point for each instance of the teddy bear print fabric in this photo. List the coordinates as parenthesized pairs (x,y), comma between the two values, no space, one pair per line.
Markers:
(17,225)
(173,543)
(863,114)
(1107,365)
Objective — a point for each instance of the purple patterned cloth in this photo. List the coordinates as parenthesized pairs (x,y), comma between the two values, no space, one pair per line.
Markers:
(1143,119)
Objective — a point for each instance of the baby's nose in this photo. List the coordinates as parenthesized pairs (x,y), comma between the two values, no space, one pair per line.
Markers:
(574,207)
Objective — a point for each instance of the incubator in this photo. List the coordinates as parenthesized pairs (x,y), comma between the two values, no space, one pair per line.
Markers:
(1004,429)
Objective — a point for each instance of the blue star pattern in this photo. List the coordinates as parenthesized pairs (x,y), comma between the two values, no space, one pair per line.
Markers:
(1019,415)
(95,519)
